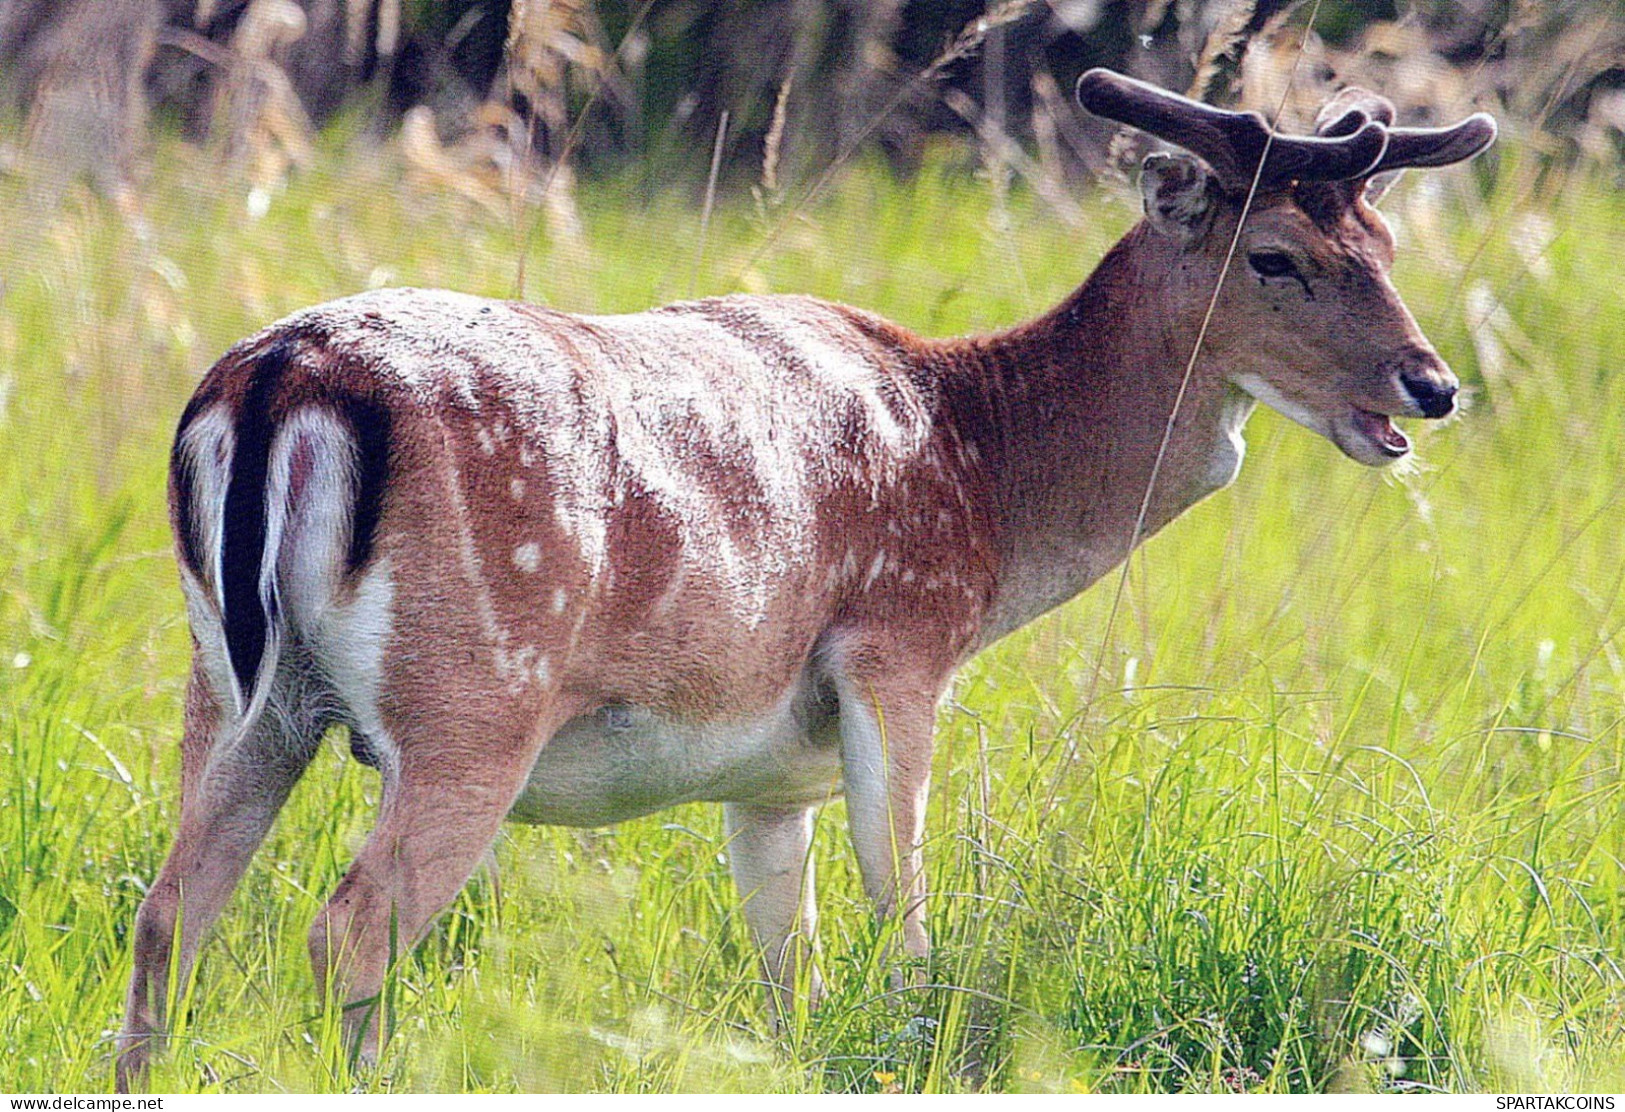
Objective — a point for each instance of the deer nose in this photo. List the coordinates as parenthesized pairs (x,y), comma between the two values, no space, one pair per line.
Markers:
(1434,392)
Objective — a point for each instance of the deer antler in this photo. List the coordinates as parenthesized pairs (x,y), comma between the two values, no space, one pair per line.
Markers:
(1233,143)
(1436,146)
(1353,140)
(1407,146)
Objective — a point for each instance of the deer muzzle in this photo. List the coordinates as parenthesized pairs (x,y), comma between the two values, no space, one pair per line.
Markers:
(1432,389)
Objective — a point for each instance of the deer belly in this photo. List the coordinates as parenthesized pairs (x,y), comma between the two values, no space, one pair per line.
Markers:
(622,761)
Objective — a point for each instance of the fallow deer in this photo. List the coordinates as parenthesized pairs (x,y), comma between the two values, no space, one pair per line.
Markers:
(575,569)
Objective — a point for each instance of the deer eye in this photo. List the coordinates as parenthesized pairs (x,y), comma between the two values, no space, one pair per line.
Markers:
(1271,264)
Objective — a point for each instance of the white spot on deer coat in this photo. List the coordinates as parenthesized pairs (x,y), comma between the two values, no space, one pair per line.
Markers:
(527,557)
(876,568)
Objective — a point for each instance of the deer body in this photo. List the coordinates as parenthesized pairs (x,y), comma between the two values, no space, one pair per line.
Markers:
(694,615)
(574,569)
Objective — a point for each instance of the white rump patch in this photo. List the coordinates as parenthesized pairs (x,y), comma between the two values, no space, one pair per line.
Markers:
(319,519)
(206,449)
(350,645)
(204,620)
(347,632)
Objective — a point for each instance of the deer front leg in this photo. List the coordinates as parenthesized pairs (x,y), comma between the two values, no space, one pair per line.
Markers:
(886,762)
(228,802)
(769,850)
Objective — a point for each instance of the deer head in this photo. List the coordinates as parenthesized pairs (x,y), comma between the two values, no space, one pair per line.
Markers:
(1307,320)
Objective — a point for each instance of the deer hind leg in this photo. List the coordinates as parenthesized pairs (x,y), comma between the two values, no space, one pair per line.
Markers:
(770,852)
(886,726)
(235,778)
(449,780)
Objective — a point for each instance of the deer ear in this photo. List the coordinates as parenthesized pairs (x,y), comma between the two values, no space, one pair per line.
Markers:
(1179,194)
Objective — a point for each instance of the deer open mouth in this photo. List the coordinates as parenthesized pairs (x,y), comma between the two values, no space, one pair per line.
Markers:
(1379,430)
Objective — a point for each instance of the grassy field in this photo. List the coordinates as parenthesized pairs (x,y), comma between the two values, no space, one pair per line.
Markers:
(1348,812)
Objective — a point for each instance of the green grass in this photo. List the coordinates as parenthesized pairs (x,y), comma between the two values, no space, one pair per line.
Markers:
(1349,811)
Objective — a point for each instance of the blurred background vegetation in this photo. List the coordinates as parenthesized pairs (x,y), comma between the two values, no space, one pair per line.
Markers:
(506,99)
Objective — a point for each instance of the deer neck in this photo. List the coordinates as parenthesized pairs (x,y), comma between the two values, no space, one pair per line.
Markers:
(1069,411)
